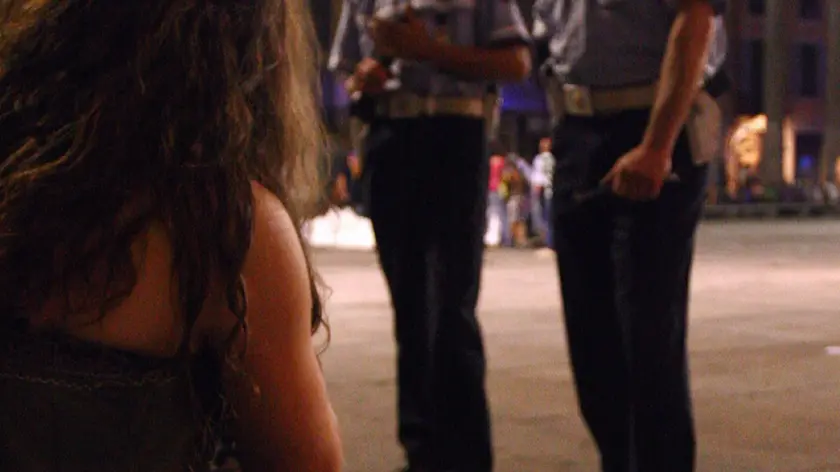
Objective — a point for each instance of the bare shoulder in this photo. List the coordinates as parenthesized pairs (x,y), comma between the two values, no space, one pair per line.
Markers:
(288,424)
(276,279)
(271,218)
(276,258)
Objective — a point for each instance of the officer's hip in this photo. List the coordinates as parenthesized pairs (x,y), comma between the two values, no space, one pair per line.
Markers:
(566,99)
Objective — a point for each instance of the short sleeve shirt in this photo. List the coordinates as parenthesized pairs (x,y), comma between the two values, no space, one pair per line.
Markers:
(612,43)
(478,23)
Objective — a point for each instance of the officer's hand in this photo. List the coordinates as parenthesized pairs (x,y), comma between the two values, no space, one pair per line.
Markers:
(370,77)
(405,37)
(639,174)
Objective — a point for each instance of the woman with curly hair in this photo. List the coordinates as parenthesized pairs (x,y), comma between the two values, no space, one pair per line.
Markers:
(156,160)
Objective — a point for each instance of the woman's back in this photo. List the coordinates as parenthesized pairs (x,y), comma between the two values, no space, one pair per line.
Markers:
(79,407)
(153,175)
(117,394)
(111,393)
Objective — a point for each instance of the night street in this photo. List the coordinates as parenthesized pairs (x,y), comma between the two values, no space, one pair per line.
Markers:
(766,308)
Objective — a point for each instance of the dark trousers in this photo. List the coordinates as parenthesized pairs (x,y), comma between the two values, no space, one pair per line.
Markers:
(624,269)
(427,181)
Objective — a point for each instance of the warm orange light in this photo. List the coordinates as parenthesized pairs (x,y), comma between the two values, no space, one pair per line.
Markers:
(745,140)
(745,144)
(837,170)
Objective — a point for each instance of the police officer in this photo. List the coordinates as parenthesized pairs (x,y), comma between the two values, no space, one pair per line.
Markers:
(428,67)
(625,81)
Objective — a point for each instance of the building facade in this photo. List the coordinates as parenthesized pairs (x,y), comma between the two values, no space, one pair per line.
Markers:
(781,55)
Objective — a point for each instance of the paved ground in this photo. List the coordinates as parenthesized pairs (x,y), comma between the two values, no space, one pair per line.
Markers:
(766,304)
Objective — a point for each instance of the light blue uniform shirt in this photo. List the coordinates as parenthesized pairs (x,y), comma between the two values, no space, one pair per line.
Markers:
(479,23)
(613,43)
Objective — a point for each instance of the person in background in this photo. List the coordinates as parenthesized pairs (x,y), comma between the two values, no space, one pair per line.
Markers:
(522,194)
(627,80)
(516,191)
(339,182)
(343,186)
(542,174)
(427,76)
(355,184)
(354,166)
(496,199)
(154,289)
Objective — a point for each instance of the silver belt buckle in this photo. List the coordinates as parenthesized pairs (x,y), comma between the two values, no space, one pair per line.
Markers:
(578,100)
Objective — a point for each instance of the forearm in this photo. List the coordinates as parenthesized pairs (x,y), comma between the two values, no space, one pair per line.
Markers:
(510,64)
(682,69)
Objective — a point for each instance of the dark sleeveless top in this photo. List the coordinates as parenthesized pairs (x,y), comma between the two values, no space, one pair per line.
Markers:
(72,406)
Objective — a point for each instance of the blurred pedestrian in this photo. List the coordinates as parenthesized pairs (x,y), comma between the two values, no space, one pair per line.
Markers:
(497,212)
(516,203)
(542,174)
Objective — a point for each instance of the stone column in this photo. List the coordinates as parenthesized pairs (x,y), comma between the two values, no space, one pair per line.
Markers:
(776,71)
(831,136)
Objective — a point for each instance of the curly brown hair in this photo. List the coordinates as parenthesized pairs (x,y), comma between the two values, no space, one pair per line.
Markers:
(114,114)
